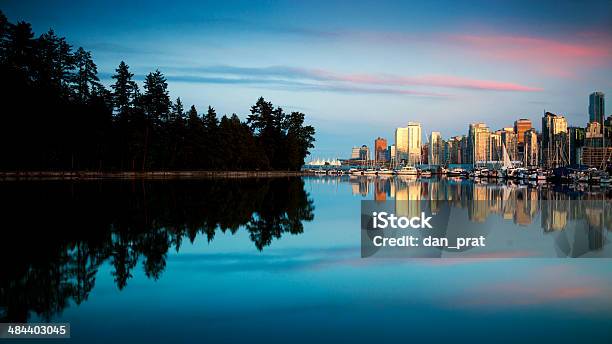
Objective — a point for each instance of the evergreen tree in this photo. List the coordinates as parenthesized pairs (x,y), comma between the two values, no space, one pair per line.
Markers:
(156,100)
(68,123)
(55,63)
(125,90)
(300,139)
(86,79)
(177,110)
(19,52)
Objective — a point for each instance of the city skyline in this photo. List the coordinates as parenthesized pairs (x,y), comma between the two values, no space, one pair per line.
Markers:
(489,147)
(341,63)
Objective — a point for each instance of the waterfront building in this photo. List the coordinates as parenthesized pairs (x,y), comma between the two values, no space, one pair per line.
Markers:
(596,107)
(401,145)
(554,140)
(466,156)
(456,147)
(479,145)
(495,146)
(414,143)
(436,151)
(380,147)
(595,152)
(520,127)
(355,153)
(391,154)
(530,144)
(424,154)
(364,153)
(510,141)
(576,142)
(597,157)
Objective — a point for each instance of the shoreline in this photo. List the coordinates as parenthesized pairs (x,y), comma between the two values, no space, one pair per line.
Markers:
(150,175)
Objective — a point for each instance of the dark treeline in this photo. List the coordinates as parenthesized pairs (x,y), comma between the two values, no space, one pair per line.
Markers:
(56,235)
(57,115)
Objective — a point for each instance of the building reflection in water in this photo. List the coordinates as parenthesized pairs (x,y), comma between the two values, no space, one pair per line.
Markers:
(556,206)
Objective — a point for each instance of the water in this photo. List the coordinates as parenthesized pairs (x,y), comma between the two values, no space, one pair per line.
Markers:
(278,260)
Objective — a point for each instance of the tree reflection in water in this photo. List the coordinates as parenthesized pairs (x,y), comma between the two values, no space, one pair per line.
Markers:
(57,234)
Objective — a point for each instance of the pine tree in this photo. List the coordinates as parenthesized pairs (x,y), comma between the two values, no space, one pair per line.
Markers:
(156,100)
(55,63)
(125,90)
(86,78)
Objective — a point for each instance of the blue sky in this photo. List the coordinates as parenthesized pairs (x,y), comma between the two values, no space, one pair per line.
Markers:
(357,69)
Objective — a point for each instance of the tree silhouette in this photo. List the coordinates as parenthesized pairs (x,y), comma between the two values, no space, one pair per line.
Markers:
(49,260)
(57,115)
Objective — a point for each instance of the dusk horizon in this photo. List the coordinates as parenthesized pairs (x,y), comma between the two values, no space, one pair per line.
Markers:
(355,75)
(269,171)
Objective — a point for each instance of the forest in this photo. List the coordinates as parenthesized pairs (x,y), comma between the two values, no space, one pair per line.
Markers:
(58,116)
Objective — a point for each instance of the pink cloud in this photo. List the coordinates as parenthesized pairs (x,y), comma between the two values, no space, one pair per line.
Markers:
(444,81)
(561,58)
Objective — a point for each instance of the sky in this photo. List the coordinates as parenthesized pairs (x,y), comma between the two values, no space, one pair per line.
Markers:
(357,69)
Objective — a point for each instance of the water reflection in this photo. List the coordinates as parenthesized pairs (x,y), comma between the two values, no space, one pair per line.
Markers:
(57,234)
(582,214)
(520,203)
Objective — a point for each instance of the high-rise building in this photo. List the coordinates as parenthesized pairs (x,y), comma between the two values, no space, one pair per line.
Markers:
(391,155)
(596,107)
(510,141)
(436,149)
(495,146)
(414,143)
(456,147)
(380,150)
(364,153)
(596,151)
(355,152)
(401,144)
(554,140)
(576,142)
(424,158)
(479,145)
(530,148)
(520,127)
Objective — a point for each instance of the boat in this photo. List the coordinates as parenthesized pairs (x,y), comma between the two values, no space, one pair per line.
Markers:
(355,172)
(385,171)
(425,173)
(537,175)
(407,171)
(455,172)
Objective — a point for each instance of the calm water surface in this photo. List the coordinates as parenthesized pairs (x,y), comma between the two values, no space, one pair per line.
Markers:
(278,260)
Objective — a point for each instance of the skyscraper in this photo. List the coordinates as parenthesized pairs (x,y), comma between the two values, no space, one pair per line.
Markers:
(364,153)
(520,127)
(355,153)
(495,146)
(510,141)
(479,145)
(380,150)
(408,143)
(436,149)
(554,140)
(597,107)
(401,144)
(531,148)
(414,143)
